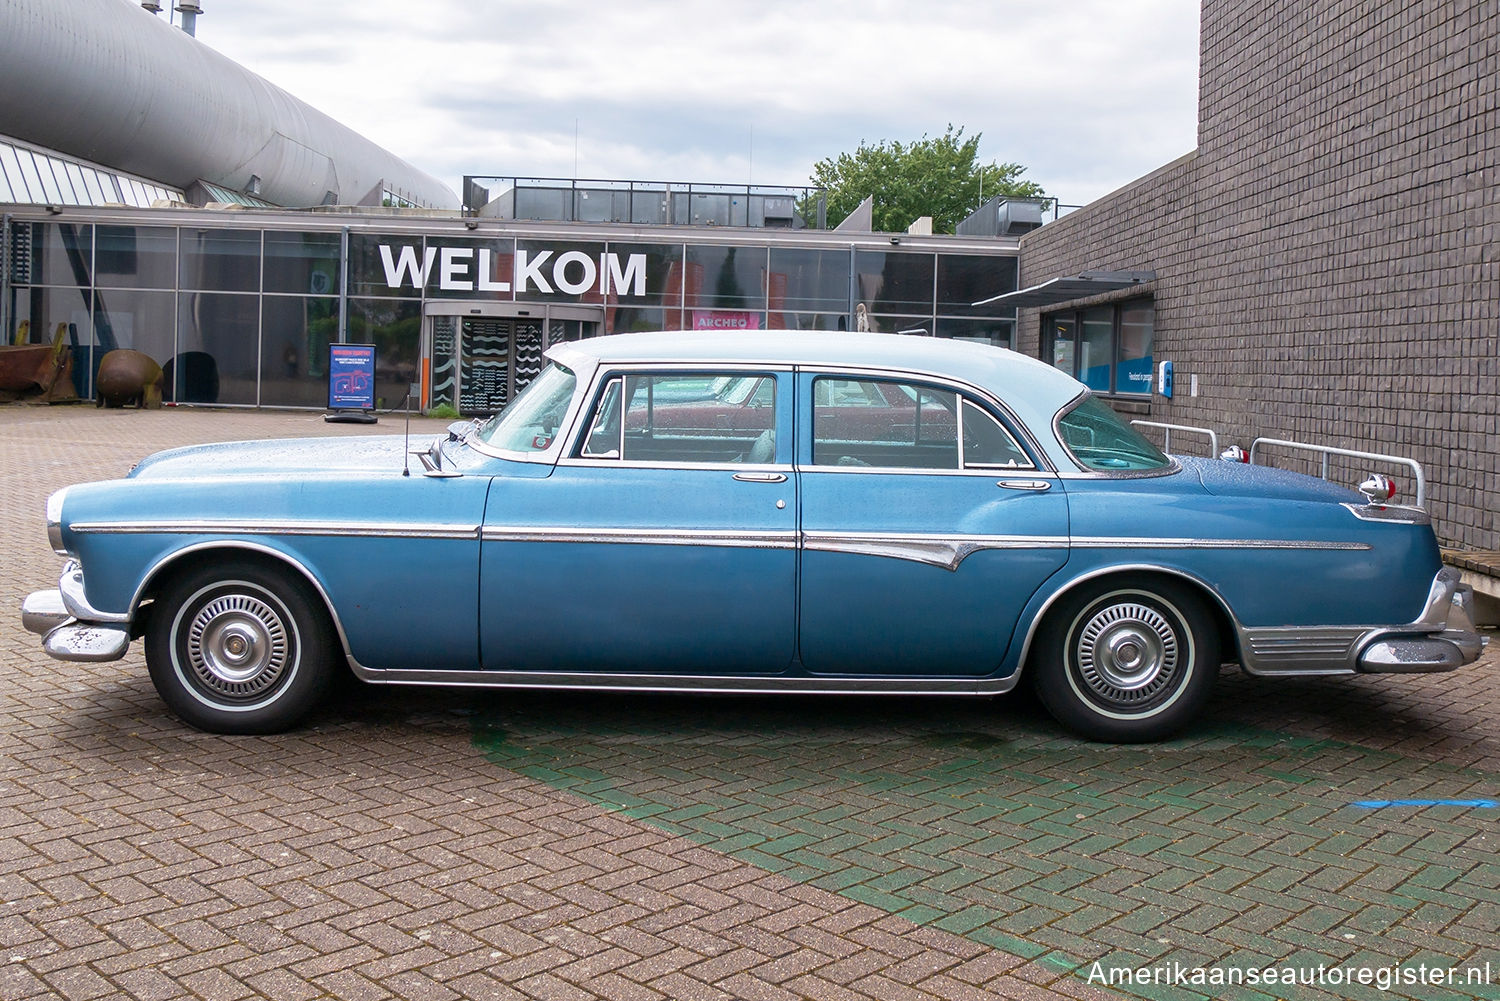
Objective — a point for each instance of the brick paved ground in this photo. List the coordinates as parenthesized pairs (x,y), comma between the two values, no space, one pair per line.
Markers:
(446,844)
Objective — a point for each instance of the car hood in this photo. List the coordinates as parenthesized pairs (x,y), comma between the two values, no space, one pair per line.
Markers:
(1236,479)
(350,454)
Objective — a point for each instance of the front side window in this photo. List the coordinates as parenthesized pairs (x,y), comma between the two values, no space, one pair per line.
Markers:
(684,418)
(1100,440)
(530,423)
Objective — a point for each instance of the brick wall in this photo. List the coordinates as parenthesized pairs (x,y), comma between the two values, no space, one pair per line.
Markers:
(1328,259)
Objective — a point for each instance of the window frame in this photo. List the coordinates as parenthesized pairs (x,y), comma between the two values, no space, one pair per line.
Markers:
(607,374)
(962,396)
(1046,346)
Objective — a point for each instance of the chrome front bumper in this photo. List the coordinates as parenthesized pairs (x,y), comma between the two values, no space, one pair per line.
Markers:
(73,630)
(1442,638)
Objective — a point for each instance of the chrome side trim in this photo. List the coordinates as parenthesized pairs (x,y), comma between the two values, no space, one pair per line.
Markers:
(642,537)
(946,551)
(382,530)
(1394,514)
(1110,542)
(689,683)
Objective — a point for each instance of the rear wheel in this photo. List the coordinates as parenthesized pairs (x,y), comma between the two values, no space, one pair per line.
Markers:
(1126,659)
(238,647)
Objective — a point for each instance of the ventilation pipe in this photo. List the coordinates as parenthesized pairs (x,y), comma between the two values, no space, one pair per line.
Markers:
(189,10)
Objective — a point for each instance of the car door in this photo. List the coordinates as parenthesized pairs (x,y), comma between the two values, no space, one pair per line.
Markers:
(658,545)
(925,528)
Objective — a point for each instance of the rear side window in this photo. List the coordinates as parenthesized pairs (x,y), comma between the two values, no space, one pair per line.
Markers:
(900,425)
(1099,439)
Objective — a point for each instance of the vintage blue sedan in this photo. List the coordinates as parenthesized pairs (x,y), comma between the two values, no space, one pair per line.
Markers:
(870,514)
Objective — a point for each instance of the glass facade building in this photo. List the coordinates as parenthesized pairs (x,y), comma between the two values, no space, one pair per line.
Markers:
(240,309)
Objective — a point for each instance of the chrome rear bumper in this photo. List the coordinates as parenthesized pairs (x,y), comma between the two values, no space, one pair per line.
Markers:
(1442,638)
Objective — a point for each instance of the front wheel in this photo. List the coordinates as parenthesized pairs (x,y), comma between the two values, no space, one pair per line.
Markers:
(236,647)
(1126,660)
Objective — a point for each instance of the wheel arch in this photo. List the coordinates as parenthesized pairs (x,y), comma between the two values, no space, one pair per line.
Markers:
(1224,619)
(188,557)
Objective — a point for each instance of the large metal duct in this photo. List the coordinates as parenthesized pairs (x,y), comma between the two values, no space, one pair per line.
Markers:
(106,81)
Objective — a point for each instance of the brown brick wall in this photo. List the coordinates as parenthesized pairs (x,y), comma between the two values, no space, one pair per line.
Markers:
(1328,260)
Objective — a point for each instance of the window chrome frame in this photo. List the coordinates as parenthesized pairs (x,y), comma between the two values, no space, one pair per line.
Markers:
(1027,443)
(606,372)
(1086,472)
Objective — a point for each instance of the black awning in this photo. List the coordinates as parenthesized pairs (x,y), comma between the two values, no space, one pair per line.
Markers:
(1079,286)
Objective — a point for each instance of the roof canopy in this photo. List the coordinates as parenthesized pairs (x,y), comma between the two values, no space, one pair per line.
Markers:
(1080,286)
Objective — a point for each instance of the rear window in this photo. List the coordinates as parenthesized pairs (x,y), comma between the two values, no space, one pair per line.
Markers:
(1099,439)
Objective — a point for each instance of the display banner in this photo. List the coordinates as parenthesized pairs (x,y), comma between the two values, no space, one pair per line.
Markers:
(351,377)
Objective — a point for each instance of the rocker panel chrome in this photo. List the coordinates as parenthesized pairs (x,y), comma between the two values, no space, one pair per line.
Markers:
(690,683)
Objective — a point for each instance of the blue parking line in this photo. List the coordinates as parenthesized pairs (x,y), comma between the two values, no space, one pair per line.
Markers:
(1375,804)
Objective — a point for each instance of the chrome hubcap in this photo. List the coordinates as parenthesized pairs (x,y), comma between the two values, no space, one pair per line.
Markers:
(1127,653)
(237,646)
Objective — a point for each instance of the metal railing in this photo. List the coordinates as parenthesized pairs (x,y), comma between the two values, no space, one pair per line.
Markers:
(655,203)
(1326,451)
(1167,429)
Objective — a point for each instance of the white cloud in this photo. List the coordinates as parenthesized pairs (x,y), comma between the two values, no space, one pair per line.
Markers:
(1088,94)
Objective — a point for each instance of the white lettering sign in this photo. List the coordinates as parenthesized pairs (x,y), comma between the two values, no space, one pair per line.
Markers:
(462,269)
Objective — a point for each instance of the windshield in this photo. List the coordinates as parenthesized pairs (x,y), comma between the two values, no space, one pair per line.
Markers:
(530,422)
(1100,440)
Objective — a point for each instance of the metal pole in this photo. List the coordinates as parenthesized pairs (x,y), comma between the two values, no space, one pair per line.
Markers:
(5,280)
(344,286)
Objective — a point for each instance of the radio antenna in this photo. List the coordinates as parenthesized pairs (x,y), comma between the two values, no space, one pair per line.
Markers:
(406,440)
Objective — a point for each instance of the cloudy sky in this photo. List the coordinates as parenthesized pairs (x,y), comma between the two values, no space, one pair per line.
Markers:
(1087,94)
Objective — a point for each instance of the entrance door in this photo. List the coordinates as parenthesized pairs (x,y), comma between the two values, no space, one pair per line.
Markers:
(478,356)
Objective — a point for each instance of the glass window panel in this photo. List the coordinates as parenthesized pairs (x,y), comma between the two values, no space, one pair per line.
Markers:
(963,279)
(921,326)
(11,167)
(654,269)
(43,311)
(1096,347)
(648,208)
(75,181)
(1058,337)
(100,190)
(808,280)
(893,282)
(394,327)
(29,177)
(627,319)
(295,333)
(725,277)
(140,321)
(301,262)
(556,271)
(603,439)
(807,321)
(49,179)
(697,417)
(987,443)
(61,254)
(996,332)
(220,260)
(867,422)
(546,204)
(459,267)
(6,194)
(401,270)
(136,256)
(1137,323)
(218,349)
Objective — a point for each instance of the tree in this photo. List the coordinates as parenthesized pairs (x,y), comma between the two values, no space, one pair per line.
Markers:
(931,176)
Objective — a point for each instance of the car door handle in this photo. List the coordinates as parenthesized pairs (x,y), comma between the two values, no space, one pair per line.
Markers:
(760,477)
(1024,484)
